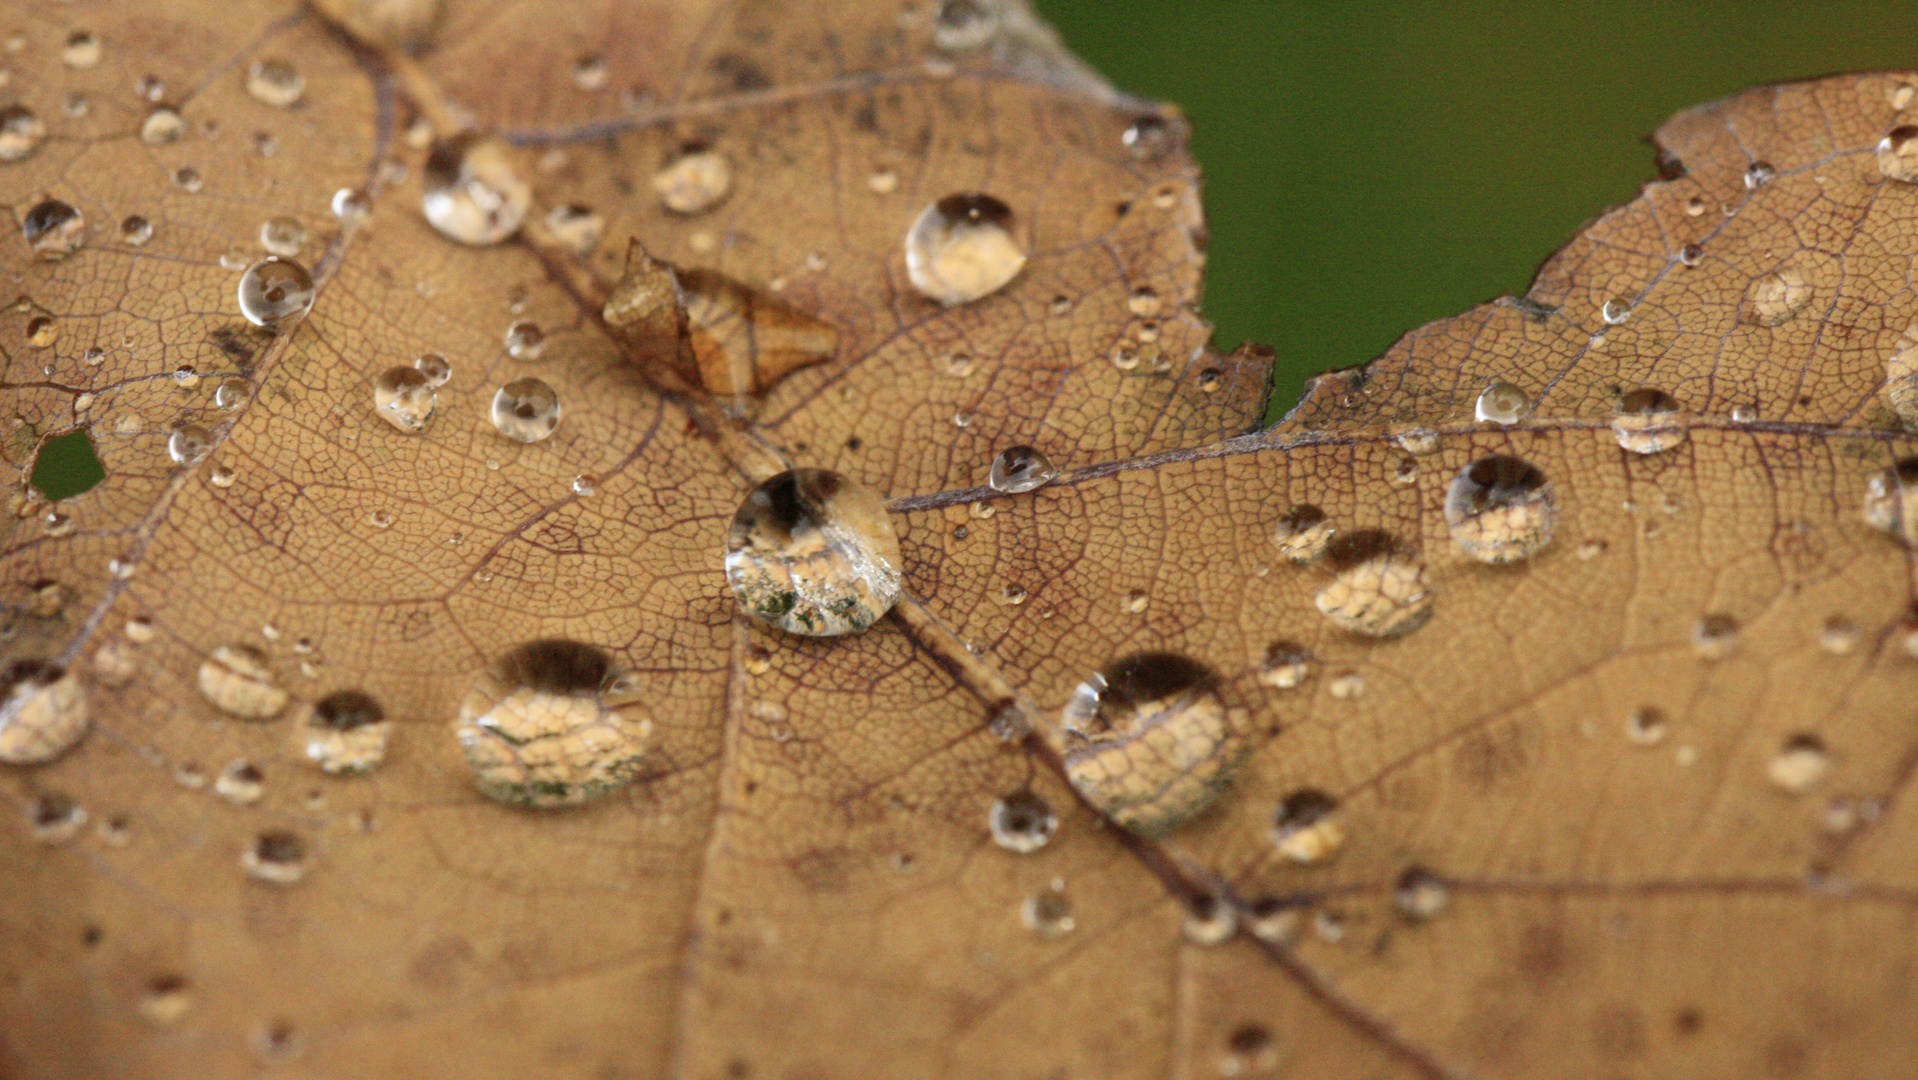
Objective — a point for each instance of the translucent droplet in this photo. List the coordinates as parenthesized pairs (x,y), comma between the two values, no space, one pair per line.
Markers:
(882,181)
(274,82)
(162,126)
(1019,469)
(1500,509)
(545,726)
(577,227)
(275,293)
(1379,590)
(277,857)
(1615,311)
(222,476)
(150,88)
(474,191)
(240,783)
(695,181)
(589,72)
(525,340)
(1420,894)
(1275,920)
(961,248)
(283,236)
(1715,637)
(82,50)
(1502,403)
(238,681)
(1744,414)
(135,231)
(404,397)
(1306,828)
(1417,440)
(1303,532)
(526,410)
(380,519)
(188,180)
(1346,686)
(165,1000)
(811,552)
(1147,137)
(1800,764)
(1891,501)
(435,367)
(55,818)
(1648,421)
(42,331)
(21,133)
(1901,377)
(1758,174)
(1048,912)
(1691,255)
(351,205)
(1839,636)
(585,484)
(54,229)
(1286,665)
(43,711)
(1646,725)
(1022,822)
(188,444)
(1149,740)
(231,393)
(963,25)
(1778,297)
(344,732)
(1210,920)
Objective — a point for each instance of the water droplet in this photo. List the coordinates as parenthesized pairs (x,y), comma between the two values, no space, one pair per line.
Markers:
(1744,414)
(283,236)
(1715,637)
(188,180)
(135,231)
(1839,636)
(1891,501)
(813,553)
(576,227)
(344,732)
(1800,764)
(1275,921)
(1149,741)
(543,726)
(188,444)
(1615,311)
(435,367)
(1286,665)
(1019,469)
(274,82)
(1303,532)
(1147,137)
(526,410)
(525,341)
(1210,920)
(1048,912)
(237,680)
(404,397)
(240,783)
(1346,686)
(1691,255)
(589,72)
(695,181)
(1405,471)
(1646,725)
(351,205)
(43,711)
(165,1000)
(54,229)
(1306,828)
(82,50)
(162,126)
(55,818)
(1419,441)
(473,191)
(42,331)
(1899,95)
(1500,509)
(1502,403)
(1778,297)
(1420,894)
(1134,602)
(231,393)
(276,857)
(963,25)
(1648,422)
(1380,588)
(585,484)
(1022,822)
(1758,174)
(380,519)
(275,293)
(1143,302)
(222,476)
(882,182)
(961,248)
(21,133)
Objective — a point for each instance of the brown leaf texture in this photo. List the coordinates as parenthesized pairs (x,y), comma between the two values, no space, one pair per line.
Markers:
(1623,792)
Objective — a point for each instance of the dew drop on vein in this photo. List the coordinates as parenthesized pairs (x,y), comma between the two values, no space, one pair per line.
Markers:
(1019,469)
(344,732)
(812,552)
(188,444)
(1777,297)
(1648,421)
(1715,637)
(524,340)
(43,711)
(1150,741)
(1379,585)
(576,227)
(1210,920)
(1502,403)
(55,817)
(135,231)
(548,725)
(404,397)
(1500,509)
(963,25)
(1306,827)
(526,410)
(961,248)
(275,293)
(1420,894)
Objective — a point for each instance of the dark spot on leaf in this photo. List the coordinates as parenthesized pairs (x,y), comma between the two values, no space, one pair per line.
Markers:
(67,466)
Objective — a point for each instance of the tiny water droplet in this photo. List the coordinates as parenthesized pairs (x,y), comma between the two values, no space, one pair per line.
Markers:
(1379,590)
(1011,595)
(1420,894)
(1303,532)
(1744,414)
(1346,686)
(1286,665)
(545,726)
(963,25)
(882,181)
(473,190)
(1648,421)
(351,205)
(238,681)
(526,410)
(240,783)
(525,340)
(82,50)
(1646,725)
(1899,95)
(1306,827)
(435,367)
(1149,740)
(1019,469)
(42,331)
(275,82)
(1502,403)
(589,72)
(1615,311)
(283,236)
(277,857)
(1209,920)
(695,181)
(135,231)
(1500,509)
(55,818)
(577,227)
(1691,255)
(1839,636)
(1891,501)
(961,248)
(404,397)
(21,133)
(1758,174)
(188,180)
(1715,637)
(1275,921)
(54,229)
(1800,764)
(811,552)
(1022,822)
(275,293)
(221,476)
(231,393)
(162,126)
(43,711)
(344,732)
(380,519)
(1148,137)
(1777,297)
(165,1000)
(1420,441)
(188,444)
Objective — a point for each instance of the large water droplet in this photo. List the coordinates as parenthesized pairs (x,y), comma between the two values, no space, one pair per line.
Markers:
(543,727)
(404,397)
(54,229)
(1303,532)
(43,711)
(961,248)
(1149,741)
(344,732)
(188,444)
(1891,501)
(526,410)
(1022,822)
(274,82)
(1778,297)
(474,191)
(695,181)
(21,133)
(1380,586)
(1502,403)
(275,293)
(1648,421)
(283,236)
(435,367)
(238,681)
(1306,828)
(1019,469)
(813,553)
(1500,509)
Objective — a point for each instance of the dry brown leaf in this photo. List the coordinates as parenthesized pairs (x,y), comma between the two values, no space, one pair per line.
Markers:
(1630,804)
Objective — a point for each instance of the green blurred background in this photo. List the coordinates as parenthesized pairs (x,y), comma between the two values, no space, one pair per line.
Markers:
(1372,167)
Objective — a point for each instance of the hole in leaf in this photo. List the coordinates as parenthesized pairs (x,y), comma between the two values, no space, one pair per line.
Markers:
(67,466)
